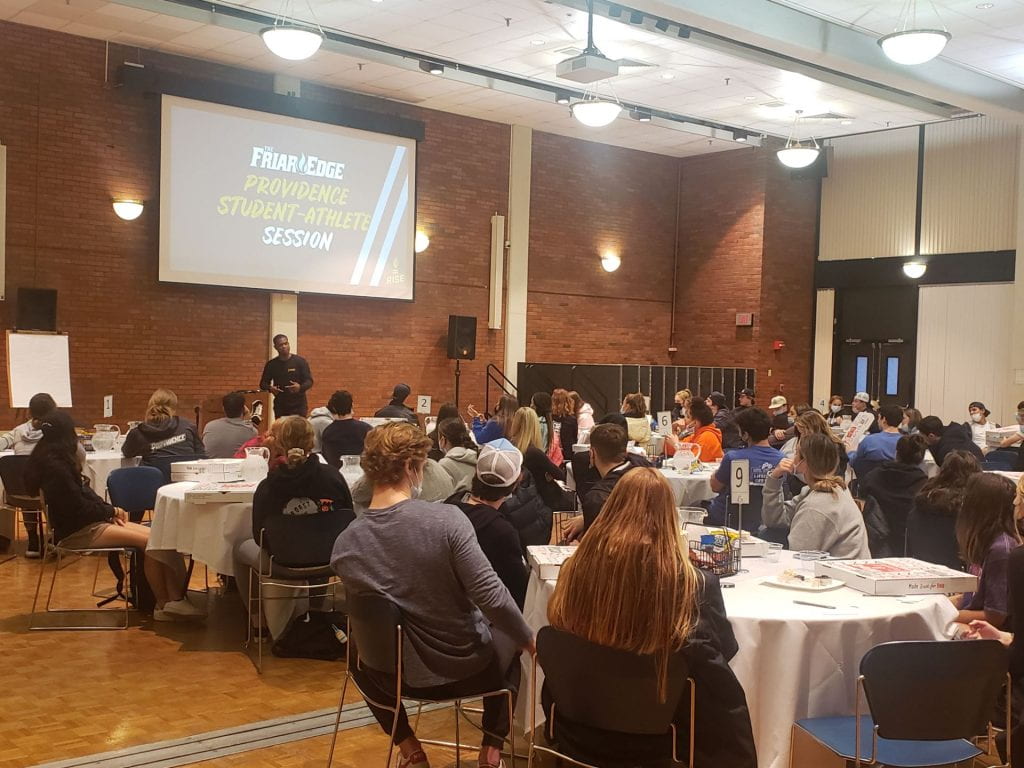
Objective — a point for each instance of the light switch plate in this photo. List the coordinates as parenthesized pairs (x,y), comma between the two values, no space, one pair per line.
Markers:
(108,406)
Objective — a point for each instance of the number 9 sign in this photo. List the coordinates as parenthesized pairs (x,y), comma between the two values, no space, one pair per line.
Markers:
(739,484)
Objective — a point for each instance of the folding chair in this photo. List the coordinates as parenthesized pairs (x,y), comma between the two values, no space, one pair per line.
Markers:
(926,701)
(375,627)
(16,500)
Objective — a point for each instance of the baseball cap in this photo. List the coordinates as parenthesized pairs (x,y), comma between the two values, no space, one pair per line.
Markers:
(980,407)
(748,392)
(499,464)
(864,397)
(717,398)
(779,401)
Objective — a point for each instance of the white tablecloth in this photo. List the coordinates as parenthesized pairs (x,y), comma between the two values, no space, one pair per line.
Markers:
(689,490)
(208,532)
(99,465)
(794,661)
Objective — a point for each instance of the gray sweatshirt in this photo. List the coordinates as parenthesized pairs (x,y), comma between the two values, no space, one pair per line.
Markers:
(825,522)
(426,559)
(437,486)
(460,463)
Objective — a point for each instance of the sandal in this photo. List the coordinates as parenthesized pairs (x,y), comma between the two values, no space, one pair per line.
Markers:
(417,759)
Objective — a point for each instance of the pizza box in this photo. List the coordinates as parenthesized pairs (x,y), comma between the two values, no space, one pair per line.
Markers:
(202,470)
(897,576)
(547,561)
(994,437)
(751,545)
(220,493)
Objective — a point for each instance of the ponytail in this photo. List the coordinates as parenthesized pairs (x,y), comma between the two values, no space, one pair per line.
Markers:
(295,457)
(829,485)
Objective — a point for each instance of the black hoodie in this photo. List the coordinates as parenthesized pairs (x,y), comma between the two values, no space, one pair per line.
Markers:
(602,489)
(500,543)
(894,486)
(172,439)
(301,510)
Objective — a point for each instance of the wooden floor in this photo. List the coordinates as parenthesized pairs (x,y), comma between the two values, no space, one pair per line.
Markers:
(75,693)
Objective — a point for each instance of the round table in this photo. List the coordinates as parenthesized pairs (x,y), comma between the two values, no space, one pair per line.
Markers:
(208,532)
(99,465)
(689,490)
(794,661)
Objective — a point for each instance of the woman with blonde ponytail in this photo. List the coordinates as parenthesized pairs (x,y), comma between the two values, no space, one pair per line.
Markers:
(300,508)
(164,437)
(823,516)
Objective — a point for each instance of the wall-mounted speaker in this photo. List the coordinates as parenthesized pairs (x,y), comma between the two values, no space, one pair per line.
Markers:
(461,337)
(37,310)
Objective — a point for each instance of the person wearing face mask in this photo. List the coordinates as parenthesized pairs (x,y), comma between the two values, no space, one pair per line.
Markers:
(911,421)
(862,404)
(1018,438)
(460,452)
(837,411)
(682,424)
(979,425)
(463,631)
(436,484)
(725,420)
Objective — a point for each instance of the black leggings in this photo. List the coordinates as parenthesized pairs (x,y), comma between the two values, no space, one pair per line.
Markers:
(381,688)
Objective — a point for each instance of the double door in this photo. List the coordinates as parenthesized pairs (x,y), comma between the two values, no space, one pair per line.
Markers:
(883,369)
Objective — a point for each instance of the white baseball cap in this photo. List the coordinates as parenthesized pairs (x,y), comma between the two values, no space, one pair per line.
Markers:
(499,464)
(864,397)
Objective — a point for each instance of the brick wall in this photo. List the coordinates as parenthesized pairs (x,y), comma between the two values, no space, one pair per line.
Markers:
(74,143)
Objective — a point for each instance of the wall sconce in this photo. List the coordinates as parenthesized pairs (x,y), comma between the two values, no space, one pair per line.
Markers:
(421,243)
(129,210)
(914,269)
(610,261)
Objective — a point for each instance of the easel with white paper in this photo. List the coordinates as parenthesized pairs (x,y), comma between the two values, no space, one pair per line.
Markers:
(38,362)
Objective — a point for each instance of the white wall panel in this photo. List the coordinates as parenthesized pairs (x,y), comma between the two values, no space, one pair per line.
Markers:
(963,347)
(970,186)
(869,200)
(823,331)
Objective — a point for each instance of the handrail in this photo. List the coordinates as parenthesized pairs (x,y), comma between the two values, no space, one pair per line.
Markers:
(493,372)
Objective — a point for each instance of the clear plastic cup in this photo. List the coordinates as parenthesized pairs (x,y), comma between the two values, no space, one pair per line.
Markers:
(774,551)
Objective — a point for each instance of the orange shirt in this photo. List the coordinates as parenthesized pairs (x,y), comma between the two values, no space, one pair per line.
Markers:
(709,439)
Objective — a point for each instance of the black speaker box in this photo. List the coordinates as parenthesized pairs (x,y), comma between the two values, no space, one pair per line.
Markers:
(37,309)
(461,337)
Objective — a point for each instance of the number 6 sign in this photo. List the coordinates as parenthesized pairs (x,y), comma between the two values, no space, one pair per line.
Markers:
(739,484)
(665,422)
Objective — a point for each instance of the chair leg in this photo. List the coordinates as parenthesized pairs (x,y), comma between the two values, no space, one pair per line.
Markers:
(337,721)
(458,738)
(39,586)
(259,614)
(511,730)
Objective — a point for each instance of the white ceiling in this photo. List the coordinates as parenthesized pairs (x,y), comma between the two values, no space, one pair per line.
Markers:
(521,37)
(990,40)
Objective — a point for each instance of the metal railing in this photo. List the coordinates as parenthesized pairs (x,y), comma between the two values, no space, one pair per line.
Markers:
(497,376)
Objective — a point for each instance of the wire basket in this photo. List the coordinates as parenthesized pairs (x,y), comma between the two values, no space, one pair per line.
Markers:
(724,563)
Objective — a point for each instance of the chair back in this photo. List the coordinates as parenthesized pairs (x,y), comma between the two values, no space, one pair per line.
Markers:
(12,470)
(933,690)
(605,688)
(133,489)
(932,538)
(374,625)
(1001,461)
(751,511)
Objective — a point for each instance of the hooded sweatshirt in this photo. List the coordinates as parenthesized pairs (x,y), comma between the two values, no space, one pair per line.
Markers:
(172,438)
(301,511)
(709,439)
(818,521)
(500,544)
(585,417)
(437,486)
(319,418)
(598,494)
(894,486)
(460,463)
(22,439)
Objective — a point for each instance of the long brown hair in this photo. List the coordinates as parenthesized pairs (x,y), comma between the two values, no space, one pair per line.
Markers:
(503,411)
(986,512)
(561,404)
(946,489)
(577,402)
(163,404)
(820,456)
(630,585)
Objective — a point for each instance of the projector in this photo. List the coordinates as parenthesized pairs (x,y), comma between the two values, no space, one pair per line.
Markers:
(587,68)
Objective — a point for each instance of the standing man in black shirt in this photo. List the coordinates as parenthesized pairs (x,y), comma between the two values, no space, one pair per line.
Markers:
(288,377)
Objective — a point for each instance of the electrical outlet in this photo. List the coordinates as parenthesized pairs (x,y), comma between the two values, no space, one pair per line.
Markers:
(108,406)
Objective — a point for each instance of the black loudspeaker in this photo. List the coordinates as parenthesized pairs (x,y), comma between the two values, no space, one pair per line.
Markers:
(37,309)
(461,337)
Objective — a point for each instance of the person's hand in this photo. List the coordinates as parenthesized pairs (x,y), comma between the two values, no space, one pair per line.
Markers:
(1011,440)
(982,630)
(473,413)
(573,530)
(783,468)
(276,389)
(293,387)
(120,516)
(780,434)
(531,647)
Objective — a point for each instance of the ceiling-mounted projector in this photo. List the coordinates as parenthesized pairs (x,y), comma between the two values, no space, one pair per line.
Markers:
(587,68)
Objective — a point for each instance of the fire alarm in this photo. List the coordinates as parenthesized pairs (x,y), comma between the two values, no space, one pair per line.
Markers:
(777,345)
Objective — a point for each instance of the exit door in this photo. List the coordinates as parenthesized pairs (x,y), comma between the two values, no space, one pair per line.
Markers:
(875,343)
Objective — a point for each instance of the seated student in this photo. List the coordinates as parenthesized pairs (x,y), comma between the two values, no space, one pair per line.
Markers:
(725,421)
(437,485)
(986,531)
(979,425)
(706,435)
(164,437)
(345,435)
(944,439)
(862,404)
(876,449)
(459,452)
(813,423)
(1018,436)
(80,518)
(446,411)
(552,447)
(300,508)
(754,425)
(223,437)
(23,440)
(321,418)
(494,427)
(463,631)
(638,425)
(396,408)
(496,476)
(823,517)
(911,421)
(931,525)
(894,485)
(524,433)
(608,455)
(631,586)
(785,430)
(837,411)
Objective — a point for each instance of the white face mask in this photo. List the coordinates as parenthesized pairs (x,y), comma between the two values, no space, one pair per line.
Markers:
(836,408)
(977,417)
(415,489)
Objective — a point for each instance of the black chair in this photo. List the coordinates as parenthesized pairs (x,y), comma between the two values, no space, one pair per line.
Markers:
(375,628)
(604,688)
(927,701)
(16,500)
(1001,461)
(932,538)
(751,512)
(134,490)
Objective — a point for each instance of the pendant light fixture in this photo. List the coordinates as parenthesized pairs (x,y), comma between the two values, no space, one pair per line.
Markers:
(911,44)
(915,269)
(595,110)
(290,40)
(797,154)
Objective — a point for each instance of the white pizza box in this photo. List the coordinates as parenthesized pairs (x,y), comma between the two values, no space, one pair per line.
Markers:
(995,436)
(220,493)
(752,546)
(547,561)
(897,576)
(202,470)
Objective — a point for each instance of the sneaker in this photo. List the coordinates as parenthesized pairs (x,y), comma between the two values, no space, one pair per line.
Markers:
(33,553)
(160,615)
(417,759)
(183,608)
